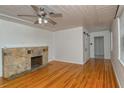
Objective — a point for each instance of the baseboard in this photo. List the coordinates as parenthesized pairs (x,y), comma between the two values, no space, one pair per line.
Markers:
(67,61)
(87,60)
(49,60)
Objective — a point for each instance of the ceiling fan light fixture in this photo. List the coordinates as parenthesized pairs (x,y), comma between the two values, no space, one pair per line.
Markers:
(40,20)
(43,16)
(45,21)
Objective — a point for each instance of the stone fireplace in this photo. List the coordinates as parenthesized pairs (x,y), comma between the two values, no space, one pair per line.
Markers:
(17,61)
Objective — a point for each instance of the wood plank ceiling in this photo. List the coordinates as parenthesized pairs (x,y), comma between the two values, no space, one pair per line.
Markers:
(93,17)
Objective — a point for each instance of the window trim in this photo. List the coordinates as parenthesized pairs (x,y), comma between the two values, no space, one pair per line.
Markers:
(119,41)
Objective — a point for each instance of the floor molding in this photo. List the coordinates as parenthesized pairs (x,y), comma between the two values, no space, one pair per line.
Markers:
(67,61)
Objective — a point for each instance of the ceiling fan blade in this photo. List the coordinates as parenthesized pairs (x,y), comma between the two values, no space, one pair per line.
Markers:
(55,14)
(51,21)
(35,8)
(36,22)
(39,11)
(27,15)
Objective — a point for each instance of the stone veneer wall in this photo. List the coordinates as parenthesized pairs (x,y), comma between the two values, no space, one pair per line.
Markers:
(18,60)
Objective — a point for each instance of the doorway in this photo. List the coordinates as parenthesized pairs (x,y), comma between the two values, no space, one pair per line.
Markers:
(99,47)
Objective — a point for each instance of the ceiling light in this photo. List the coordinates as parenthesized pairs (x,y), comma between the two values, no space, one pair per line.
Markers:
(45,21)
(40,20)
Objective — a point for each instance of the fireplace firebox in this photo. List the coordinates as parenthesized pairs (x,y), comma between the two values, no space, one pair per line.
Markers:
(36,62)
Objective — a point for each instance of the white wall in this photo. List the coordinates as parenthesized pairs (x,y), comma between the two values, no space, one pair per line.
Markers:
(68,45)
(107,43)
(17,35)
(118,66)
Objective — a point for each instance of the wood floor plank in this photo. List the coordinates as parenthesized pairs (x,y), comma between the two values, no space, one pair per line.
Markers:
(96,73)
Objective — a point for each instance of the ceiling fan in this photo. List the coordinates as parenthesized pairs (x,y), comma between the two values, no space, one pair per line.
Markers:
(43,16)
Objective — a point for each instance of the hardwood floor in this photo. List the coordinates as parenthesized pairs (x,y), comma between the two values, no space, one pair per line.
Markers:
(94,74)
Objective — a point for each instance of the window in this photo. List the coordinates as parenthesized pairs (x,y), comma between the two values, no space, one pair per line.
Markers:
(121,38)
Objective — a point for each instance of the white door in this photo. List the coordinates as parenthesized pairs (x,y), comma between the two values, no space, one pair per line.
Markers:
(99,47)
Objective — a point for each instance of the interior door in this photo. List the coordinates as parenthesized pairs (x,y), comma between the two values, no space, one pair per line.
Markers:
(99,47)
